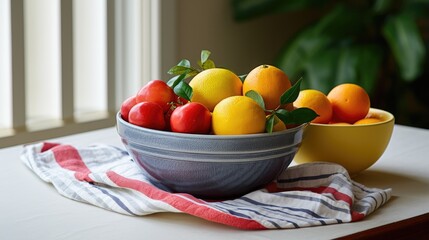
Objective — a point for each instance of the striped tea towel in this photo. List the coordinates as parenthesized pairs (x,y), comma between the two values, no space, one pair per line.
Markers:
(106,176)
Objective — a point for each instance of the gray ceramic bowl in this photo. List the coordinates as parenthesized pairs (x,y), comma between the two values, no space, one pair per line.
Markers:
(209,166)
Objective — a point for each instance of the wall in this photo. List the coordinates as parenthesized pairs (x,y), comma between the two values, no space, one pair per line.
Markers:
(239,46)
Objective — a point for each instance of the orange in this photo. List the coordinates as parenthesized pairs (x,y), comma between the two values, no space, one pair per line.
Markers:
(212,85)
(350,102)
(270,82)
(318,102)
(369,120)
(238,115)
(341,124)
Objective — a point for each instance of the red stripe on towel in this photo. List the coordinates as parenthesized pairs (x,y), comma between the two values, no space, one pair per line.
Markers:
(337,195)
(357,216)
(69,158)
(48,145)
(184,203)
(272,187)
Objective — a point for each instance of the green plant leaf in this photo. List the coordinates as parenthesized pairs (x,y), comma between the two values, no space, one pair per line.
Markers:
(381,6)
(205,54)
(269,124)
(368,67)
(297,116)
(347,61)
(182,89)
(405,41)
(295,54)
(320,70)
(358,64)
(291,94)
(317,44)
(416,8)
(342,21)
(256,97)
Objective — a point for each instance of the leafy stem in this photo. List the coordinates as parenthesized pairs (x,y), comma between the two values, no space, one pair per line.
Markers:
(296,116)
(184,66)
(184,70)
(180,87)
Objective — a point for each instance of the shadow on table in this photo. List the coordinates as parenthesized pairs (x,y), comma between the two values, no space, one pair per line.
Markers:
(401,184)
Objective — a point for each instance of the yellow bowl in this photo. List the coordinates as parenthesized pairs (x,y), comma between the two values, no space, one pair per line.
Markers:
(355,147)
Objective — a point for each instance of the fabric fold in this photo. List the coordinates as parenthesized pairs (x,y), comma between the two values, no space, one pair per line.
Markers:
(105,176)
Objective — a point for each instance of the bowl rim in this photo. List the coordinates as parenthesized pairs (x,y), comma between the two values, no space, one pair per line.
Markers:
(390,118)
(119,119)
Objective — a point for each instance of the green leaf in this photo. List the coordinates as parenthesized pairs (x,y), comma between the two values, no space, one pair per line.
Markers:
(176,80)
(320,70)
(177,70)
(242,77)
(208,64)
(303,115)
(205,62)
(205,54)
(256,97)
(184,63)
(269,124)
(294,56)
(183,66)
(283,115)
(381,6)
(313,45)
(342,21)
(403,36)
(182,89)
(291,94)
(347,63)
(368,67)
(357,64)
(297,116)
(416,8)
(346,60)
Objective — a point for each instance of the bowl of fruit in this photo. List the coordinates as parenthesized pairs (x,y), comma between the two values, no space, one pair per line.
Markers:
(206,137)
(347,131)
(206,165)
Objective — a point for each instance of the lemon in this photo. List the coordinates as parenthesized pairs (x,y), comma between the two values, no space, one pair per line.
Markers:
(238,115)
(213,85)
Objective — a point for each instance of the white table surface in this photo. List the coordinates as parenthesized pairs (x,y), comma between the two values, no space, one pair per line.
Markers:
(32,209)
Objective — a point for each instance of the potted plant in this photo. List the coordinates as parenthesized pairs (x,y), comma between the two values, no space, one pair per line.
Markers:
(379,45)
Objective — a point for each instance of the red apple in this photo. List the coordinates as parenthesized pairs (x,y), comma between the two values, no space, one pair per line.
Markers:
(192,117)
(157,91)
(148,115)
(126,107)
